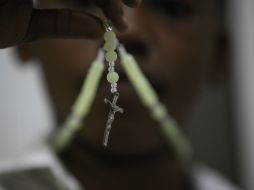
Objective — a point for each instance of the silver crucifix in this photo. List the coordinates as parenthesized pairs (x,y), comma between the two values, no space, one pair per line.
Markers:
(111,116)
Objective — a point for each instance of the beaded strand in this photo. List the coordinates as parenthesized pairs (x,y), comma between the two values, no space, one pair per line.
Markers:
(111,56)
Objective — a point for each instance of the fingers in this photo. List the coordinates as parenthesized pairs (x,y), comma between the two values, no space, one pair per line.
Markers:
(37,24)
(55,23)
(14,19)
(113,9)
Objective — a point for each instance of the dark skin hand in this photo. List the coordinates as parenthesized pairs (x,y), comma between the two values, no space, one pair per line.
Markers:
(20,22)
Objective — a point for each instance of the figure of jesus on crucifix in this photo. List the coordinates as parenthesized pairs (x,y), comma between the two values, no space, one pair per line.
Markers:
(111,116)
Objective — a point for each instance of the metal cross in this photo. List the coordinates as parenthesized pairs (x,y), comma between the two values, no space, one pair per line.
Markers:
(111,116)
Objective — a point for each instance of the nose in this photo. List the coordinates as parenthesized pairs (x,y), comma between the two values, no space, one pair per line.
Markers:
(136,39)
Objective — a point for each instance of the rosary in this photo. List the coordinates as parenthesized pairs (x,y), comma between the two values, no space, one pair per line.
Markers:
(112,77)
(148,96)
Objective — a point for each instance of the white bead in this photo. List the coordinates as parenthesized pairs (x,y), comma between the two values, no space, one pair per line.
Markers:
(113,90)
(114,85)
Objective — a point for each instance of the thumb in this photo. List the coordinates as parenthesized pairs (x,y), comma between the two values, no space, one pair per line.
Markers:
(58,23)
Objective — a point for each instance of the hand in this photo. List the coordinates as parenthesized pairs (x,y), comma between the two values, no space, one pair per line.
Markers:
(20,22)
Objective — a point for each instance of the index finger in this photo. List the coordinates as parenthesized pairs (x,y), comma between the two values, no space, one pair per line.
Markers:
(132,3)
(113,9)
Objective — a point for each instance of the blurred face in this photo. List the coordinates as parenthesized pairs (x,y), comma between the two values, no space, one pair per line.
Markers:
(175,43)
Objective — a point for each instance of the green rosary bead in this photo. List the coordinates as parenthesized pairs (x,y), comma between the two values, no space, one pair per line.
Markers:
(109,36)
(111,56)
(110,46)
(112,77)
